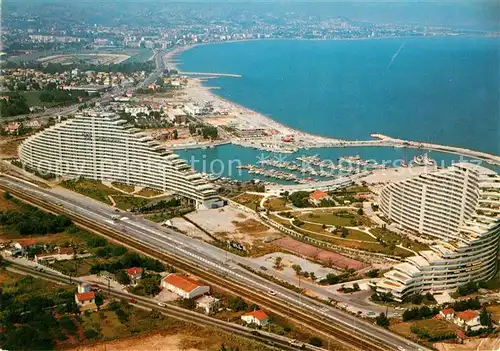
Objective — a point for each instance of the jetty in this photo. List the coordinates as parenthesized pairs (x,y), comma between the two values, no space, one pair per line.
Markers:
(208,74)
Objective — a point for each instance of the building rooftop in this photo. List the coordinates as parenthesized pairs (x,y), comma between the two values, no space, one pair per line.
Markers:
(183,283)
(258,314)
(134,271)
(467,315)
(86,296)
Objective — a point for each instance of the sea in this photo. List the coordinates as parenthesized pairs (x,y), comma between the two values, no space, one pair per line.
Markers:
(443,90)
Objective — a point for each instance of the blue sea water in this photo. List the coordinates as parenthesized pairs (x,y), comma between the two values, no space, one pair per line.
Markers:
(442,90)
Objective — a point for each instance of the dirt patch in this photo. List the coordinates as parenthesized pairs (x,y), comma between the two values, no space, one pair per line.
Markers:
(150,342)
(241,215)
(484,344)
(9,146)
(328,257)
(250,226)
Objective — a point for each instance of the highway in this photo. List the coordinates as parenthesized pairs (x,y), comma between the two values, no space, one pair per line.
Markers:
(208,257)
(270,339)
(160,67)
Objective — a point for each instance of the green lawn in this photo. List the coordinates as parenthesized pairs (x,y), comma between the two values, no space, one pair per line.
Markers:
(124,187)
(91,188)
(391,237)
(125,202)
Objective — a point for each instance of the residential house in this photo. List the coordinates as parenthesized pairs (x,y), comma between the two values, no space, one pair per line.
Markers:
(63,254)
(208,303)
(257,317)
(134,273)
(184,287)
(86,301)
(12,127)
(468,320)
(317,196)
(447,313)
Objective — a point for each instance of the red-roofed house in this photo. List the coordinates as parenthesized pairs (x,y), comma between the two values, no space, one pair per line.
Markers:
(461,336)
(134,273)
(447,313)
(469,320)
(257,317)
(184,287)
(317,196)
(85,298)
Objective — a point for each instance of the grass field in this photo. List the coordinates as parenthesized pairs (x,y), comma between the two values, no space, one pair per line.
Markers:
(91,188)
(434,327)
(124,187)
(391,237)
(125,202)
(248,200)
(148,192)
(276,204)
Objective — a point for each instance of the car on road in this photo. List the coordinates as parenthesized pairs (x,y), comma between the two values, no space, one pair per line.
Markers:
(132,300)
(162,304)
(271,292)
(371,313)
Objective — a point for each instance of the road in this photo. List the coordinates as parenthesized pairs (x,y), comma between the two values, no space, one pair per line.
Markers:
(160,67)
(281,342)
(204,255)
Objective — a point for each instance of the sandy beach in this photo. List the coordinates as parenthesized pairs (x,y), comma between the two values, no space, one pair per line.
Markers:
(244,117)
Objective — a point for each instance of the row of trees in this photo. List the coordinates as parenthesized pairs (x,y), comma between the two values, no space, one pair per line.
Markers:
(35,221)
(15,105)
(206,131)
(128,260)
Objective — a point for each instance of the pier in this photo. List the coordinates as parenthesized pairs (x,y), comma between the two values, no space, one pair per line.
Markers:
(212,74)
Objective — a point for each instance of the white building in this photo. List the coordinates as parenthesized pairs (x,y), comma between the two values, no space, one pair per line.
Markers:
(135,110)
(460,207)
(184,287)
(208,303)
(468,320)
(101,146)
(257,317)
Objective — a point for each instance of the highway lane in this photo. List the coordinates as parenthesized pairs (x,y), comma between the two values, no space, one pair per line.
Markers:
(205,255)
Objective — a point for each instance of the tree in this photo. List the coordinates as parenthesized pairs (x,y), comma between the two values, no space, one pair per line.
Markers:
(355,287)
(373,273)
(315,341)
(277,262)
(297,269)
(175,134)
(7,195)
(382,320)
(188,304)
(236,303)
(122,277)
(360,211)
(485,318)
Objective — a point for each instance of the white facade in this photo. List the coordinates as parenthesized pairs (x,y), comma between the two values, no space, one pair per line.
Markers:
(460,207)
(101,146)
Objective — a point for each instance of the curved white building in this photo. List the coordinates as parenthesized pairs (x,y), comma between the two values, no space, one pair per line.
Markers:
(460,206)
(102,146)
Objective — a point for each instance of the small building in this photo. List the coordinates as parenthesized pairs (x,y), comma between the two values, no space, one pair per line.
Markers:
(83,288)
(447,313)
(63,254)
(208,303)
(134,273)
(12,127)
(84,298)
(461,337)
(468,320)
(184,287)
(317,196)
(257,317)
(86,301)
(107,275)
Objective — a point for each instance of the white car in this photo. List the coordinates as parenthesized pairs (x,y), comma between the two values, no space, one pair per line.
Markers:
(162,304)
(271,292)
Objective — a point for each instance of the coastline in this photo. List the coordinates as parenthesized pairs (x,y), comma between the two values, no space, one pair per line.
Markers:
(196,92)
